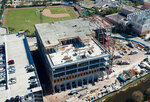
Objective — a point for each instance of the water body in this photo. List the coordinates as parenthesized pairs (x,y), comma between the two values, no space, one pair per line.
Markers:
(126,96)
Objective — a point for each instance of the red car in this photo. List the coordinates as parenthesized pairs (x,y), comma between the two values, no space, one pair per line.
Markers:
(11,62)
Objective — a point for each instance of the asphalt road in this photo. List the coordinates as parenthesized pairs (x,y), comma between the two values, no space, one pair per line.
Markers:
(132,38)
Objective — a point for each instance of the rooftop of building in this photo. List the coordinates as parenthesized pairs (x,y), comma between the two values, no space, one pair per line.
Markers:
(3,30)
(17,75)
(52,34)
(142,17)
(75,51)
(101,3)
(116,17)
(70,40)
(132,8)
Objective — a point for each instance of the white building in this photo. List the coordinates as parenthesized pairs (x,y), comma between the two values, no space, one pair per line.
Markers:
(140,21)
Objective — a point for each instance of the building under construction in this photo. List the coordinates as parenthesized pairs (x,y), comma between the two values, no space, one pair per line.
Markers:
(72,55)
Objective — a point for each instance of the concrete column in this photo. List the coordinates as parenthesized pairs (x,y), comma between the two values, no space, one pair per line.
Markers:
(65,85)
(59,86)
(76,83)
(93,78)
(53,89)
(87,81)
(82,82)
(71,84)
(97,77)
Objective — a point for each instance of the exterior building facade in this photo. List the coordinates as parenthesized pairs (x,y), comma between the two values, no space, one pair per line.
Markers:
(72,56)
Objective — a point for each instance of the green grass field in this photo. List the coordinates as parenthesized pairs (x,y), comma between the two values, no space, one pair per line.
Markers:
(58,10)
(24,19)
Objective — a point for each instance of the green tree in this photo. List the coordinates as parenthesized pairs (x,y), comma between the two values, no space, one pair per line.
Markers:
(22,3)
(11,29)
(27,32)
(0,23)
(148,92)
(137,96)
(44,2)
(11,2)
(137,3)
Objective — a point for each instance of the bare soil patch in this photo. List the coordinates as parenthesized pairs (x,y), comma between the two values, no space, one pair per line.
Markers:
(48,13)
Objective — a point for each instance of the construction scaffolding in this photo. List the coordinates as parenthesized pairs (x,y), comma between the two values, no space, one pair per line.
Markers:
(102,31)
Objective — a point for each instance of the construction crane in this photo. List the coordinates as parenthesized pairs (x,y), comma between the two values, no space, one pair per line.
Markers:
(104,35)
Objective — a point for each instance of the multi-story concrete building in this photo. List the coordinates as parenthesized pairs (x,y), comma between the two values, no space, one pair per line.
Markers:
(18,77)
(72,55)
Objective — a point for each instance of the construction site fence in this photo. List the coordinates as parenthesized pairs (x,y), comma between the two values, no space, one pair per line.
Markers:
(3,14)
(121,87)
(129,40)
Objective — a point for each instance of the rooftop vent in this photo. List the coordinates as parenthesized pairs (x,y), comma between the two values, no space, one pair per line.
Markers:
(66,58)
(48,42)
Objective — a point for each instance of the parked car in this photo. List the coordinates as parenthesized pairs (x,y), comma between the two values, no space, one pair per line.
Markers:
(11,62)
(123,62)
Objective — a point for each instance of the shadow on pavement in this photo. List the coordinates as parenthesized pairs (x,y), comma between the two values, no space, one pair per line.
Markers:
(41,70)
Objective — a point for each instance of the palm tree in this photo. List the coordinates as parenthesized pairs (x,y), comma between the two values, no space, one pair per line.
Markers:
(11,29)
(137,96)
(27,32)
(148,92)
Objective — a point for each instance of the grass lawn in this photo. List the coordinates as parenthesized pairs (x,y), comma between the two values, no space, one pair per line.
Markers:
(58,10)
(24,19)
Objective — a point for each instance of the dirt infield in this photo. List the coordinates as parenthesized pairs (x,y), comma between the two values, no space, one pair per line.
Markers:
(48,13)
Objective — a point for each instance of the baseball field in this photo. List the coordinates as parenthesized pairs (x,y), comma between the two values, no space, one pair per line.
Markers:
(18,19)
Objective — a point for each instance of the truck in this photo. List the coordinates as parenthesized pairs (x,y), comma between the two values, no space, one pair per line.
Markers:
(147,65)
(123,62)
(117,56)
(133,52)
(77,90)
(130,44)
